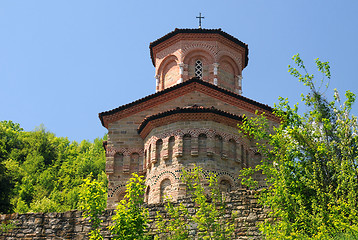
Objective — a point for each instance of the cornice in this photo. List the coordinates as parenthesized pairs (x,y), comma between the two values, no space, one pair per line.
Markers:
(181,89)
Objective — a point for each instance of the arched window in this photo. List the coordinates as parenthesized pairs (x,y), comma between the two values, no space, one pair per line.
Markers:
(202,143)
(232,149)
(118,162)
(225,186)
(170,148)
(145,158)
(165,189)
(199,69)
(146,196)
(186,144)
(134,166)
(218,145)
(159,146)
(149,154)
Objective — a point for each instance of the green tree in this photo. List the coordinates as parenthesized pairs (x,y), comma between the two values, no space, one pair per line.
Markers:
(131,218)
(176,224)
(93,200)
(209,206)
(310,162)
(9,132)
(40,172)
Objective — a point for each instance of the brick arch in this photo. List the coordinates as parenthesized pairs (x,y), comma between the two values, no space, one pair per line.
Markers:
(227,178)
(229,60)
(155,180)
(172,50)
(165,62)
(168,65)
(165,186)
(117,190)
(199,46)
(198,53)
(234,57)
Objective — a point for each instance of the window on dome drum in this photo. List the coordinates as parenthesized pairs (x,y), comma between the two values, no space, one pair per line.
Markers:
(199,69)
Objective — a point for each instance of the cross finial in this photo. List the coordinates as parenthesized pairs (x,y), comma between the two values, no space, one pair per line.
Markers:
(200,17)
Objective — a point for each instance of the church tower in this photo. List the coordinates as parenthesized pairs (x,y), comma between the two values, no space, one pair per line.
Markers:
(208,54)
(190,120)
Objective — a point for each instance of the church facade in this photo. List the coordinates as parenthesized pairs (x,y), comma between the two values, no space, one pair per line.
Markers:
(190,120)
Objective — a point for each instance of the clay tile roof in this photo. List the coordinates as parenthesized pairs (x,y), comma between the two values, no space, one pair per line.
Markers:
(188,109)
(177,86)
(199,30)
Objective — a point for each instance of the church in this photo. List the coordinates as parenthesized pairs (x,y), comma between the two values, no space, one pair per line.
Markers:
(190,120)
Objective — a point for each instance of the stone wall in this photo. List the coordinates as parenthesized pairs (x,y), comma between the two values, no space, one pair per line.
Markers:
(70,225)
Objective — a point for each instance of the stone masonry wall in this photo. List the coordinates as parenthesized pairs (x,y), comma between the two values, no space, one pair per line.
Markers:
(70,225)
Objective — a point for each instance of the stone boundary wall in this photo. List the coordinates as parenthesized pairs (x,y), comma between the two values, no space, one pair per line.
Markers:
(71,225)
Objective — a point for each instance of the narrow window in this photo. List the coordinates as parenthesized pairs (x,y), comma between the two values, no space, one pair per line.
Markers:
(145,158)
(202,143)
(149,154)
(159,147)
(232,149)
(186,145)
(199,69)
(170,148)
(134,162)
(218,145)
(118,162)
(146,196)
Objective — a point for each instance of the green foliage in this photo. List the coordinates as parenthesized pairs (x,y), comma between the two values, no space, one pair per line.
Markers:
(131,218)
(93,200)
(175,226)
(310,162)
(9,132)
(209,211)
(40,172)
(209,206)
(7,226)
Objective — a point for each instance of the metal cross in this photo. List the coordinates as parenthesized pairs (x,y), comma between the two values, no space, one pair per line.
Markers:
(200,17)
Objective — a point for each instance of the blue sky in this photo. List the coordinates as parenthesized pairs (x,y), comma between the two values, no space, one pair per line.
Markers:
(63,62)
